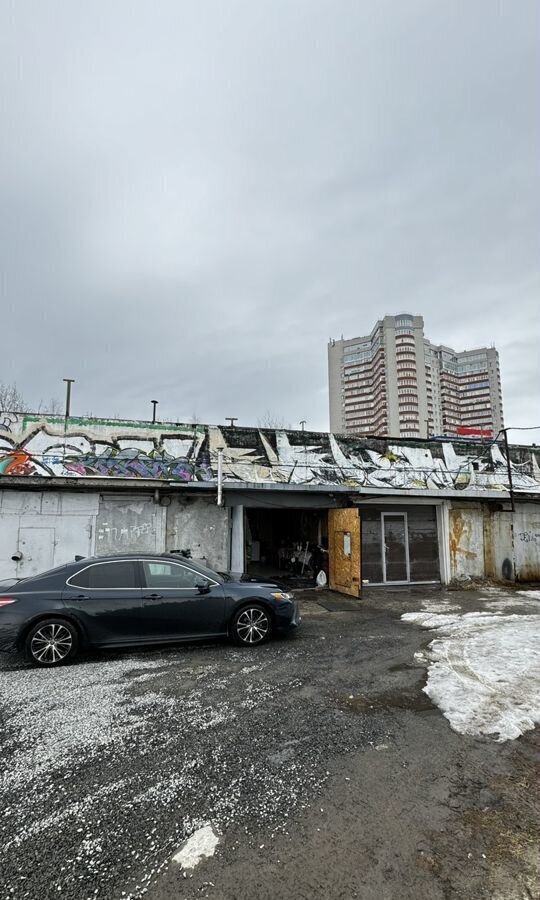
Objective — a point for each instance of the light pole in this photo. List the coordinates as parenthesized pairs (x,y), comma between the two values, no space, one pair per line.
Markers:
(231,420)
(69,382)
(154,406)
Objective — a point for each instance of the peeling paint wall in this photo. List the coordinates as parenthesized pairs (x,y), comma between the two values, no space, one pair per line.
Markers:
(498,544)
(467,540)
(202,526)
(51,527)
(125,524)
(495,543)
(527,542)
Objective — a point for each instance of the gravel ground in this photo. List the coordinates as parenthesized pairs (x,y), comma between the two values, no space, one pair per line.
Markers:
(322,768)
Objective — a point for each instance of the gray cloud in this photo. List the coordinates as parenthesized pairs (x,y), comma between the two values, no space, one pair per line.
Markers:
(196,196)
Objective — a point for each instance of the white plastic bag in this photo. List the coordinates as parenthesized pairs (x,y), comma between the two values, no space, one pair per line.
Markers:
(321,579)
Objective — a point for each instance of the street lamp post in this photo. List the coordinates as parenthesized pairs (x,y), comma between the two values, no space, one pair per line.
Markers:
(69,382)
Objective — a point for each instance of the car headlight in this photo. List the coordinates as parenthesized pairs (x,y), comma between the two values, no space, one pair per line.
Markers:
(279,595)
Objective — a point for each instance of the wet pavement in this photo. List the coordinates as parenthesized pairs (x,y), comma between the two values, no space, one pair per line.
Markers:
(318,761)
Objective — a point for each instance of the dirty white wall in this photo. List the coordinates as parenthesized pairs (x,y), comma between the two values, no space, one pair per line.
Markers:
(47,528)
(527,541)
(498,544)
(486,541)
(51,527)
(128,523)
(201,525)
(466,527)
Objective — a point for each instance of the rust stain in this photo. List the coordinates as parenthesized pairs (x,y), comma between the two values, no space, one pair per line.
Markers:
(460,530)
(489,561)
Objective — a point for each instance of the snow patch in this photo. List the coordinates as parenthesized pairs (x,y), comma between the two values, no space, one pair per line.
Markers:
(531,595)
(442,606)
(484,671)
(522,601)
(198,846)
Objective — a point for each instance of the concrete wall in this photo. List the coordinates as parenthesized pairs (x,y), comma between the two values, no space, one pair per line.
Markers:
(48,528)
(498,544)
(527,542)
(466,540)
(202,526)
(127,523)
(486,541)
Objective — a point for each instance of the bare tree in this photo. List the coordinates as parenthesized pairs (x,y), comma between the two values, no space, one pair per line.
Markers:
(270,420)
(11,399)
(52,407)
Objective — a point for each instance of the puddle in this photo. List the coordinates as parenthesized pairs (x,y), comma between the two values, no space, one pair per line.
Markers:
(414,700)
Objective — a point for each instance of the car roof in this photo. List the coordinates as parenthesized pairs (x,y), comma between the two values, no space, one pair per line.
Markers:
(136,555)
(170,557)
(78,564)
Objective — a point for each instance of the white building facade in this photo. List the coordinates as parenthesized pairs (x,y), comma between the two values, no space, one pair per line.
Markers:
(395,382)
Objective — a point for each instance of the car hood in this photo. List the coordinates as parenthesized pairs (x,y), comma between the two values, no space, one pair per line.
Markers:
(8,583)
(268,584)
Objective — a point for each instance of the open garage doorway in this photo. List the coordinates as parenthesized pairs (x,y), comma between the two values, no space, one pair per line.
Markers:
(295,545)
(290,544)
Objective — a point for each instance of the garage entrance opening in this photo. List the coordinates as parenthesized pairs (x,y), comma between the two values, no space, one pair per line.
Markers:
(294,545)
(289,544)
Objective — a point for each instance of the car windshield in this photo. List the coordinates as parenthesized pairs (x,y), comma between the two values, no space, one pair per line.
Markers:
(226,576)
(206,573)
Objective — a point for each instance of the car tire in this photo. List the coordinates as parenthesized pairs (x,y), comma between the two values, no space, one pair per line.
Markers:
(51,642)
(251,625)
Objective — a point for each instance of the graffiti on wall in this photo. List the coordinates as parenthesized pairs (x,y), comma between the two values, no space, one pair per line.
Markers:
(86,448)
(89,448)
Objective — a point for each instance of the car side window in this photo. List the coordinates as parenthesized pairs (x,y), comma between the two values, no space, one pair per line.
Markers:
(170,575)
(113,575)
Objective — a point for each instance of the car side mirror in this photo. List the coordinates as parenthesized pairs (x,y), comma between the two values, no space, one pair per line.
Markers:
(203,586)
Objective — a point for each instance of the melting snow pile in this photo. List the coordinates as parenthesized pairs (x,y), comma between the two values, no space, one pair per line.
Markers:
(484,671)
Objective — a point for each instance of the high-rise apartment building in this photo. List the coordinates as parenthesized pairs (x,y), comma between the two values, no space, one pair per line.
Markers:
(395,382)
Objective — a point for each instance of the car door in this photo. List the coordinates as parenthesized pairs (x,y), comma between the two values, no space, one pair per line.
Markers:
(173,604)
(106,597)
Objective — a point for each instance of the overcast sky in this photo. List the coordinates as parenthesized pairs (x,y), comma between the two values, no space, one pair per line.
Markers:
(196,196)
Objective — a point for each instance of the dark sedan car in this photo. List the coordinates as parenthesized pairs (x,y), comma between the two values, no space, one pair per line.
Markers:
(118,601)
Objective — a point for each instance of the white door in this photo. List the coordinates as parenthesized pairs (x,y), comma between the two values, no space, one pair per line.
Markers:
(37,548)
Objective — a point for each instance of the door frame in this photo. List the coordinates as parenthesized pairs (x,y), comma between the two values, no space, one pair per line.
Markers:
(383,547)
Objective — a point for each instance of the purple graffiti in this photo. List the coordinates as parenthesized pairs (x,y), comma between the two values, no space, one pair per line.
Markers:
(133,463)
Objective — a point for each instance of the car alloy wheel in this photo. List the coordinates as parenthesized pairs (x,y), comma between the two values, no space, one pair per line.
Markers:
(51,644)
(252,625)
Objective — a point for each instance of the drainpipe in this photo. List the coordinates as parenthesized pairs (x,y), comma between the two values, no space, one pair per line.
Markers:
(220,476)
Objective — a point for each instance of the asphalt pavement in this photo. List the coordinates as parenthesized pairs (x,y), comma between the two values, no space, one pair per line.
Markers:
(320,765)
